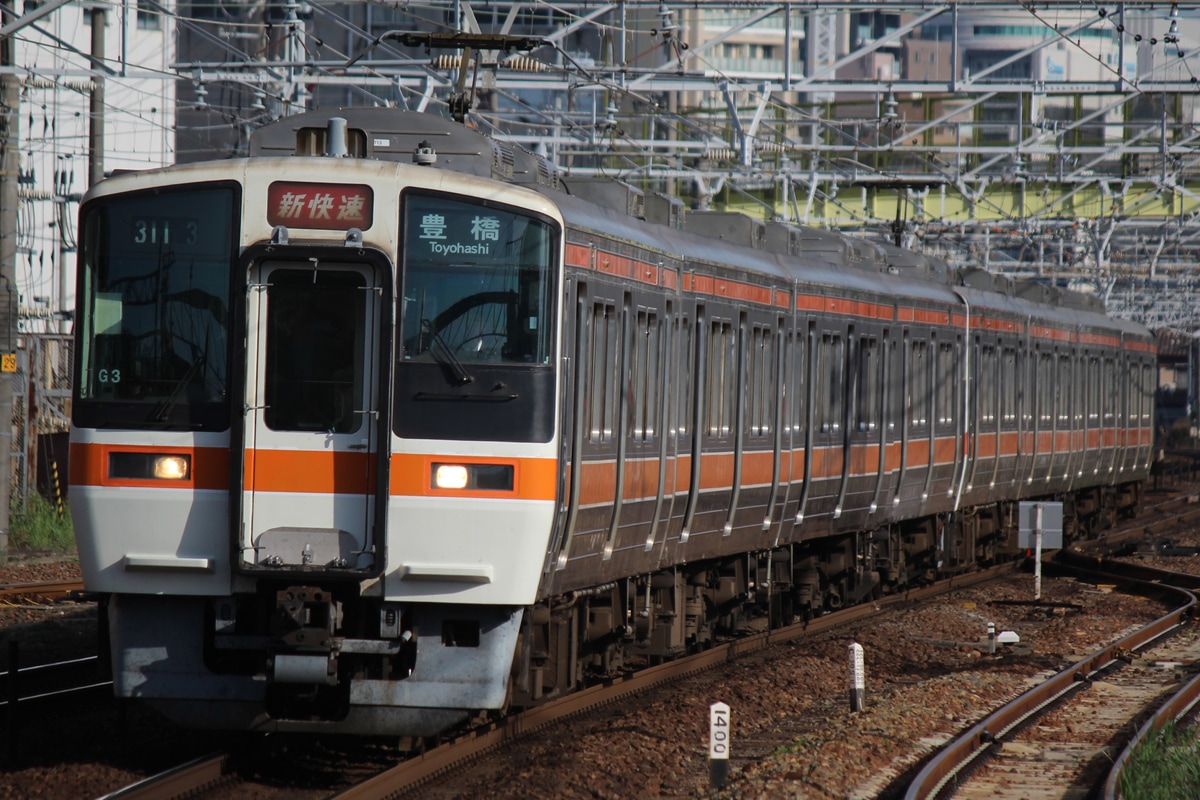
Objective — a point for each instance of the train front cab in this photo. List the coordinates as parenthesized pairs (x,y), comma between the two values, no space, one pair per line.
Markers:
(306,533)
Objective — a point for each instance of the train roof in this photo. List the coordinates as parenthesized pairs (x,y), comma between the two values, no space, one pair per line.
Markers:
(652,220)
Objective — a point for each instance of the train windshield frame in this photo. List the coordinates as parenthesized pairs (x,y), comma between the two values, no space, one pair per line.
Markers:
(479,282)
(153,304)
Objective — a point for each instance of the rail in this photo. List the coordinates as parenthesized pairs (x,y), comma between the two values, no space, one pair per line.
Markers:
(978,741)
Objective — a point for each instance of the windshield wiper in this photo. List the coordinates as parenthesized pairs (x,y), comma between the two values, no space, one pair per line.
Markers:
(442,353)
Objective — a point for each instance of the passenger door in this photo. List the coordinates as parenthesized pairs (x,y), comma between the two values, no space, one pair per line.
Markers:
(311,427)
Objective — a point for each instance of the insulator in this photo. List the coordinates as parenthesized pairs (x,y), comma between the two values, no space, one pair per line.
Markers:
(29,193)
(446,61)
(524,64)
(73,84)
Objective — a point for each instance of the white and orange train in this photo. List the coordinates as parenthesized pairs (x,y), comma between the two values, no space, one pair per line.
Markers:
(389,424)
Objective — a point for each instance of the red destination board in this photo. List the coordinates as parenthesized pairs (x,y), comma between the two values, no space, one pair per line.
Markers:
(332,206)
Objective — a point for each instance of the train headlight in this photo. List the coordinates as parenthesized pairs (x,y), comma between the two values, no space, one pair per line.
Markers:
(149,466)
(450,476)
(474,477)
(171,468)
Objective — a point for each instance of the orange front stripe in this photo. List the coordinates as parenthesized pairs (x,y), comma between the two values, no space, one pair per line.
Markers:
(307,471)
(89,466)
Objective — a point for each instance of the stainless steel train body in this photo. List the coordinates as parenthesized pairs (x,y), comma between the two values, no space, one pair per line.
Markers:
(370,444)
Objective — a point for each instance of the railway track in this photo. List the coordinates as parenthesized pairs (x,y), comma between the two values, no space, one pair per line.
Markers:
(1074,732)
(438,761)
(40,591)
(445,757)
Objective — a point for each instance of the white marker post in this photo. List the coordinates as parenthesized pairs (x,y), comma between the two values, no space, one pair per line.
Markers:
(991,633)
(718,744)
(1037,553)
(858,678)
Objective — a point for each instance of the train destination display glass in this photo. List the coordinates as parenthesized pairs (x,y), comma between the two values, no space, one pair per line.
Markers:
(154,309)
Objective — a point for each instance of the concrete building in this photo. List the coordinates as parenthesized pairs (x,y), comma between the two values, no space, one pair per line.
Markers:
(133,104)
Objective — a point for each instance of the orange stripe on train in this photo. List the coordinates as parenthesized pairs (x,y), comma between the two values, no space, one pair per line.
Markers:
(89,466)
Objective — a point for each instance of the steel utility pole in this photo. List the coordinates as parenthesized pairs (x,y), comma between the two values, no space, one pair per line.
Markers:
(96,109)
(10,161)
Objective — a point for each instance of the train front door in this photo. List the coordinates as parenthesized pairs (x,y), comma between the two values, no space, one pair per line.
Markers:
(311,416)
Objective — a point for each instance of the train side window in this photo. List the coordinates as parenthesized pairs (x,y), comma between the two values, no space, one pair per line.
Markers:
(603,373)
(918,383)
(645,375)
(1083,391)
(760,381)
(894,398)
(686,391)
(1008,385)
(799,382)
(868,383)
(946,384)
(830,366)
(637,377)
(722,378)
(1109,384)
(1027,367)
(1147,394)
(1062,388)
(1129,396)
(1093,390)
(1045,388)
(986,385)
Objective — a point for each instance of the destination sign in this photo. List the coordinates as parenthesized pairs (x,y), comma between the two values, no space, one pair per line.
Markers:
(331,206)
(445,230)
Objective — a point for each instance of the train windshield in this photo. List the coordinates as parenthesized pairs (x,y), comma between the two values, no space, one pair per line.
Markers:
(475,355)
(153,309)
(477,283)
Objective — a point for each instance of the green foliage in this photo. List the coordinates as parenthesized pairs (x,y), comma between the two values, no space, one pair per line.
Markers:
(39,527)
(1165,767)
